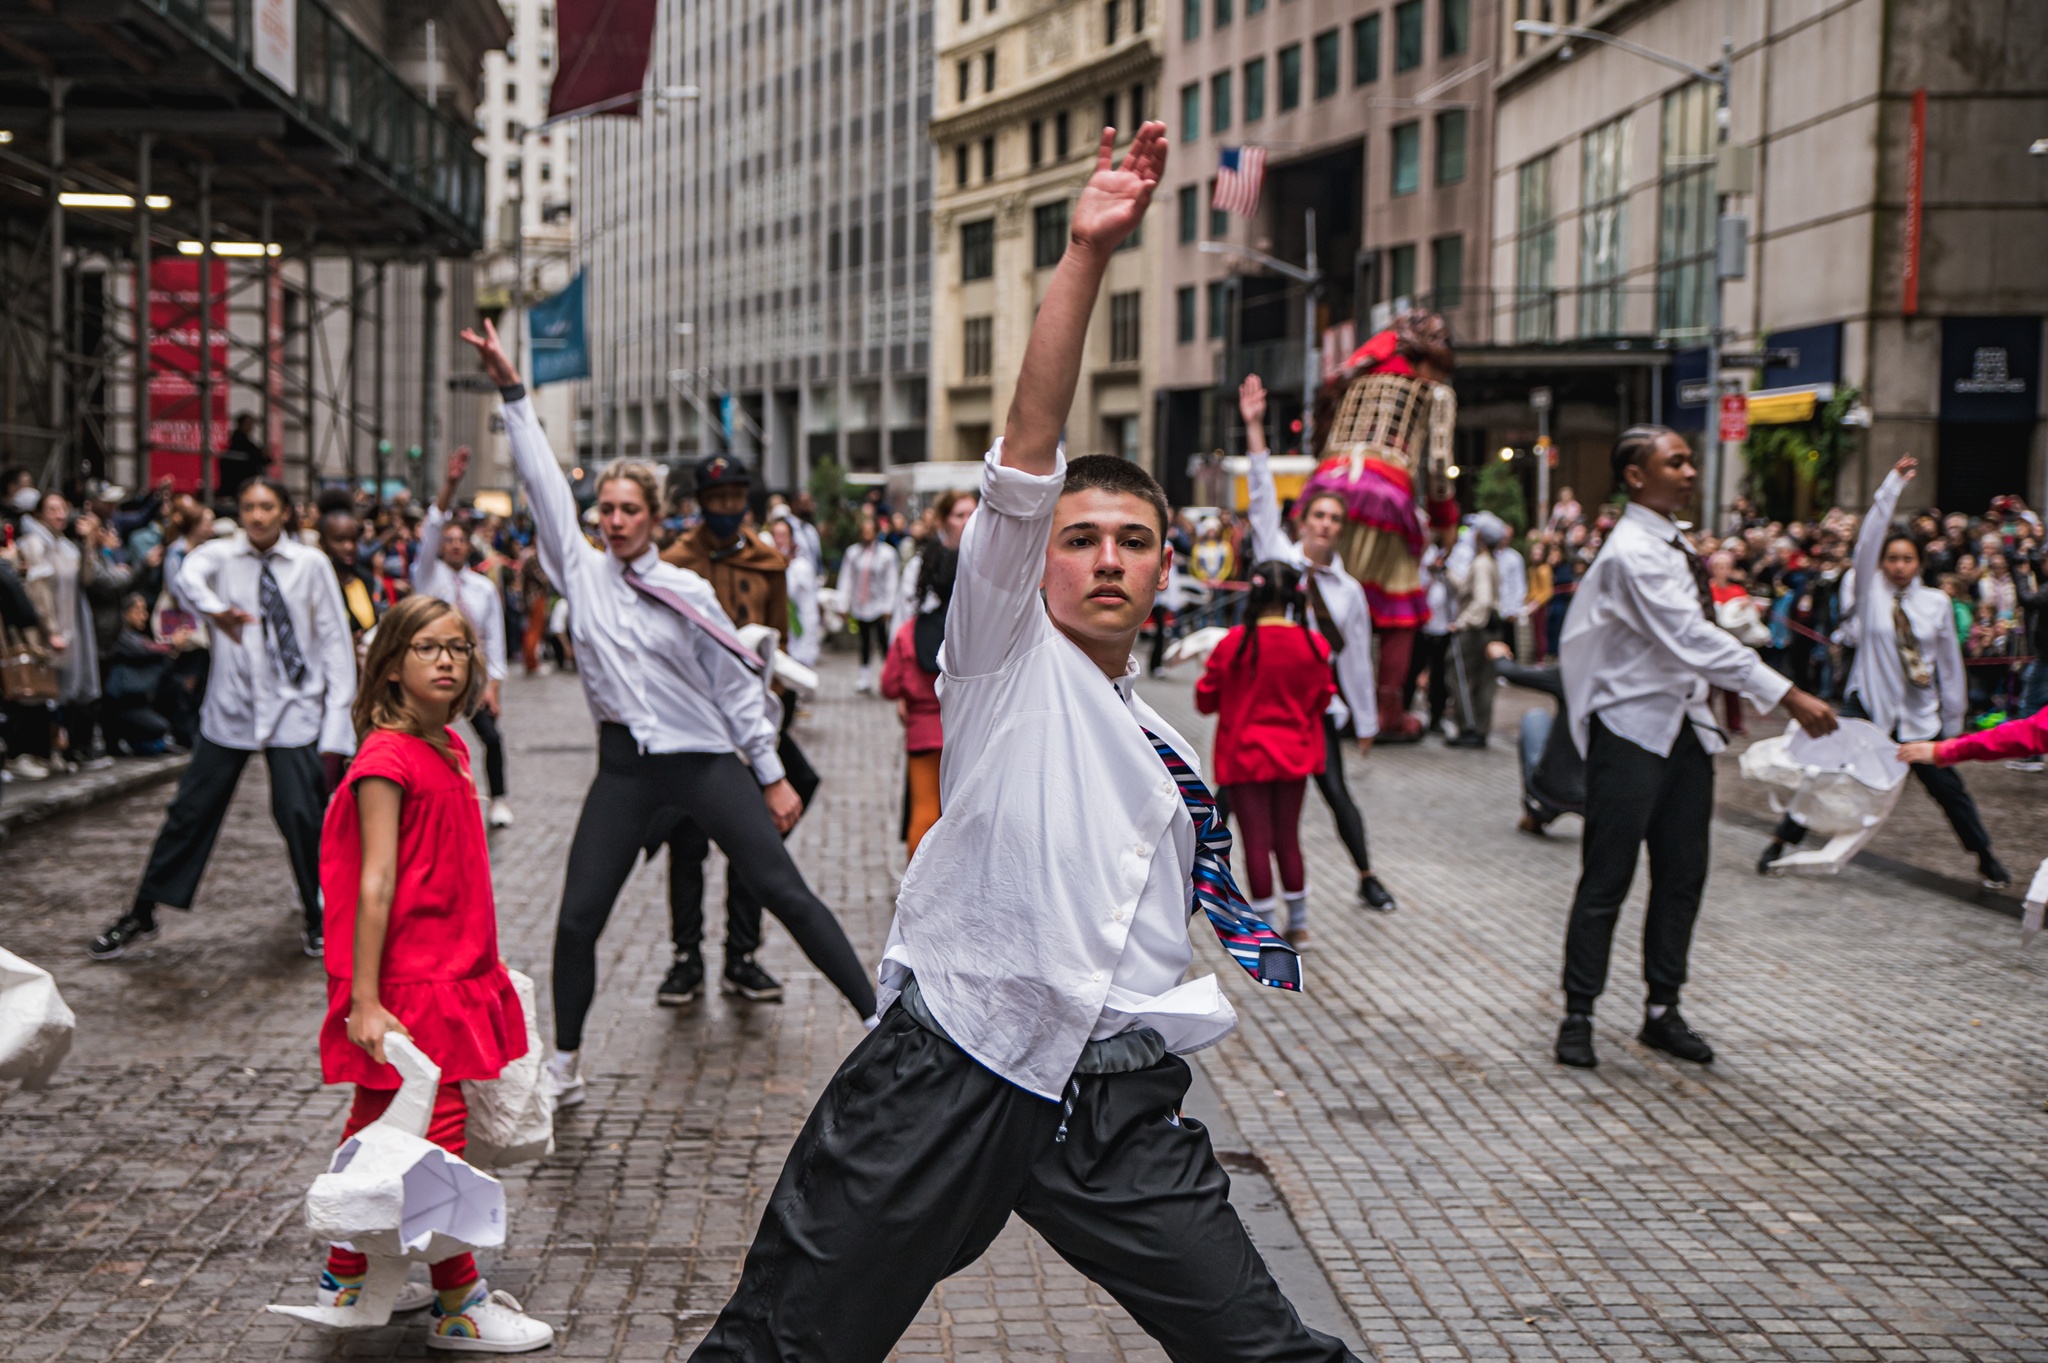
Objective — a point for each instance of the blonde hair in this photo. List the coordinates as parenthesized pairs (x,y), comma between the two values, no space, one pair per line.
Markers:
(639,474)
(381,702)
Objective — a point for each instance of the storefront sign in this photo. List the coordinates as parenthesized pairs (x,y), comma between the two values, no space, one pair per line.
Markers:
(1990,368)
(276,27)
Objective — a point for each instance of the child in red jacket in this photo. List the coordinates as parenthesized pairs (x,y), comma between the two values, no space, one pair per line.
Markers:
(1268,684)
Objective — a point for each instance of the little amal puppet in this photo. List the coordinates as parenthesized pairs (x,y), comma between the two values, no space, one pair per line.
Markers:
(1386,455)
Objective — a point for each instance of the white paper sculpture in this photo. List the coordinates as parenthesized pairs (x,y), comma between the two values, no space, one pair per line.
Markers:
(511,1118)
(396,1197)
(35,1026)
(2035,906)
(1194,646)
(1842,786)
(780,666)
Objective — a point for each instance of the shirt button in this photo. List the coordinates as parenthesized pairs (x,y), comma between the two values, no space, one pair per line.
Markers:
(1098,976)
(1142,850)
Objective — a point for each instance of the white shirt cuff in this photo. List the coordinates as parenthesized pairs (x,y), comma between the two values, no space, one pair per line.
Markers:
(1019,495)
(1767,687)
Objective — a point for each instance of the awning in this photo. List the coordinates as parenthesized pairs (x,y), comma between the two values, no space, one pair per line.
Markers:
(1785,406)
(605,45)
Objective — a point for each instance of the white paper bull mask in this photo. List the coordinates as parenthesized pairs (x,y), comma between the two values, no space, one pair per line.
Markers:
(1842,785)
(35,1025)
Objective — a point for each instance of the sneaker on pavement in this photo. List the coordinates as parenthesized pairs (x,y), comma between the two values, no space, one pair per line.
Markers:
(1996,877)
(488,1323)
(1375,896)
(746,979)
(684,981)
(2025,764)
(1670,1035)
(127,930)
(313,941)
(1575,1042)
(344,1292)
(562,1077)
(501,813)
(26,768)
(1769,857)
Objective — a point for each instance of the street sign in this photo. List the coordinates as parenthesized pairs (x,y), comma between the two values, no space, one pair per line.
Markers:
(1784,358)
(1694,393)
(1539,399)
(1734,418)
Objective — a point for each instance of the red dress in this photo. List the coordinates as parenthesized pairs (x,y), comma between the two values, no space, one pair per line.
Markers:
(441,975)
(1269,723)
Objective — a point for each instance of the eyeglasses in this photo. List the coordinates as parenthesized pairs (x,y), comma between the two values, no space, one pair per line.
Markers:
(426,650)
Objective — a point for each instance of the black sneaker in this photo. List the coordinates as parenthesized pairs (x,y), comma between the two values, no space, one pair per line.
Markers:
(684,981)
(313,941)
(1575,1042)
(1375,896)
(1670,1035)
(130,928)
(1770,856)
(1996,877)
(750,982)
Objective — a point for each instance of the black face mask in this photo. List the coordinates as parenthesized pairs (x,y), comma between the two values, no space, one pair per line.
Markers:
(724,526)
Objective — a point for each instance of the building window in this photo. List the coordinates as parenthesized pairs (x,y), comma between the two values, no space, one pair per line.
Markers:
(966,11)
(966,80)
(1686,212)
(1535,253)
(1455,27)
(1407,158)
(977,346)
(1190,112)
(1112,21)
(1252,7)
(1037,138)
(988,158)
(1137,105)
(1603,212)
(1219,310)
(853,244)
(1048,234)
(977,249)
(1060,142)
(1408,35)
(1124,312)
(1326,64)
(1109,113)
(1255,89)
(1401,272)
(1222,15)
(1450,146)
(1290,77)
(1190,19)
(1365,50)
(1447,272)
(960,164)
(1219,102)
(1184,314)
(1219,218)
(1190,204)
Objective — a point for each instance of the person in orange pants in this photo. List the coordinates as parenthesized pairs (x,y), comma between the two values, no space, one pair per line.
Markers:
(910,674)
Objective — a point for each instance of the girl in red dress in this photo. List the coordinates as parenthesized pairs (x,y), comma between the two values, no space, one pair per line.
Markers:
(1268,683)
(412,933)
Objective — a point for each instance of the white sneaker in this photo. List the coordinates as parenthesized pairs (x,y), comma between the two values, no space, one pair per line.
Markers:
(2025,764)
(501,813)
(26,768)
(562,1077)
(488,1323)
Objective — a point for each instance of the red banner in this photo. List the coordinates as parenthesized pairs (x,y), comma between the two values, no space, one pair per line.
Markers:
(175,345)
(1916,168)
(1734,418)
(605,44)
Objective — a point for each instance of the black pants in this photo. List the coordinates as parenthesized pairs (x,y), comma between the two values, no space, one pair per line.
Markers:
(1432,652)
(720,794)
(298,801)
(874,639)
(1343,809)
(1474,669)
(1945,784)
(487,733)
(1634,798)
(912,1163)
(1156,659)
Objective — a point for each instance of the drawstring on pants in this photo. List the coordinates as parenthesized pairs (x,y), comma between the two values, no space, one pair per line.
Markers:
(1059,1137)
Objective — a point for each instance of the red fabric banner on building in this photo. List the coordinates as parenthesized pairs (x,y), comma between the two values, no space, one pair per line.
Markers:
(605,44)
(175,346)
(1916,174)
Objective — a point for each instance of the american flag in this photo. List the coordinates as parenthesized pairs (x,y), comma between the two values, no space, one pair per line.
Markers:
(1239,173)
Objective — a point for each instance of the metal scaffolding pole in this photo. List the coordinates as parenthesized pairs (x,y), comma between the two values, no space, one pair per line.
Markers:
(430,383)
(144,145)
(207,490)
(355,384)
(272,451)
(380,449)
(53,468)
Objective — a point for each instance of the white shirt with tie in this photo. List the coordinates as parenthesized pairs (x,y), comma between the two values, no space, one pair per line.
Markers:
(1878,678)
(1639,651)
(867,575)
(1049,906)
(251,703)
(469,591)
(642,665)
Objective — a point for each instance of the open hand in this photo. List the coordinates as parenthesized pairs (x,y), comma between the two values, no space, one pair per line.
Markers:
(231,620)
(1251,401)
(1918,754)
(1907,467)
(492,354)
(458,464)
(1114,200)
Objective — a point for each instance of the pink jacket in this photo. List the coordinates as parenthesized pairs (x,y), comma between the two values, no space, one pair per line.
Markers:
(904,680)
(2015,738)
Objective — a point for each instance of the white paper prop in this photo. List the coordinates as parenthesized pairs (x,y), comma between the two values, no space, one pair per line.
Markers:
(1194,646)
(1842,786)
(781,667)
(35,1026)
(2036,905)
(511,1118)
(396,1197)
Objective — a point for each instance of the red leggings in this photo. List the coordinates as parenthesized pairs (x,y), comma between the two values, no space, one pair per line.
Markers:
(447,1129)
(1269,816)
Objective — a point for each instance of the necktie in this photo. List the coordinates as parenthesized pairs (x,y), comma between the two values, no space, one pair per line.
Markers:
(285,640)
(718,630)
(1250,942)
(1917,670)
(1700,581)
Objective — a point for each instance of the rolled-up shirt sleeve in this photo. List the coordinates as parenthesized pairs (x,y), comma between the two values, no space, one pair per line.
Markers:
(195,579)
(995,611)
(739,693)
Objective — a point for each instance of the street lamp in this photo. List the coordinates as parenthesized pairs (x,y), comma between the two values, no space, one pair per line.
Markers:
(1717,75)
(1311,279)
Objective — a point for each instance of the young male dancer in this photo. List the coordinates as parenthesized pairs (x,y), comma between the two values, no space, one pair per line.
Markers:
(283,678)
(677,698)
(442,570)
(1041,935)
(1337,611)
(1639,656)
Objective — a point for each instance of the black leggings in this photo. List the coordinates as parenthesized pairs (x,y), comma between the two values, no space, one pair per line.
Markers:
(718,792)
(874,639)
(487,733)
(1343,809)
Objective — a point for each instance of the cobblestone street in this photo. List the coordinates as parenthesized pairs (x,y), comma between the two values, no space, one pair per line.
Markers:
(1861,1175)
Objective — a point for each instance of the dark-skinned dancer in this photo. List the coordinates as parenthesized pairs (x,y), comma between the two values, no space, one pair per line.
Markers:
(676,704)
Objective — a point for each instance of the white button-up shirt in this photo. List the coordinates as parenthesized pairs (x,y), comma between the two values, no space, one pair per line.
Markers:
(1638,650)
(1050,904)
(1878,678)
(470,592)
(642,665)
(1339,590)
(867,575)
(250,703)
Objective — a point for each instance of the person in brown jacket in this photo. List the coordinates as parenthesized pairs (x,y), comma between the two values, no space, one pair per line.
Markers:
(747,573)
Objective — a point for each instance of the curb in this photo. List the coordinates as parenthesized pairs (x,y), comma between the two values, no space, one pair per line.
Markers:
(34,802)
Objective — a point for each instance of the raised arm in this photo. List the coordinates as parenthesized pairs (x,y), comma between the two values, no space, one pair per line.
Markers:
(555,532)
(1269,538)
(1877,524)
(1111,205)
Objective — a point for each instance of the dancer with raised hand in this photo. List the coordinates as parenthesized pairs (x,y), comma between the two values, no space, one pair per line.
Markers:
(442,571)
(1908,675)
(1338,612)
(1037,962)
(677,699)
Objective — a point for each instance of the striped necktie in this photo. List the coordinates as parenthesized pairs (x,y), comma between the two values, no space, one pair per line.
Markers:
(1250,942)
(284,639)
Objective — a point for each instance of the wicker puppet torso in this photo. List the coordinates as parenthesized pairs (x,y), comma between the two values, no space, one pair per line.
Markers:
(1390,442)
